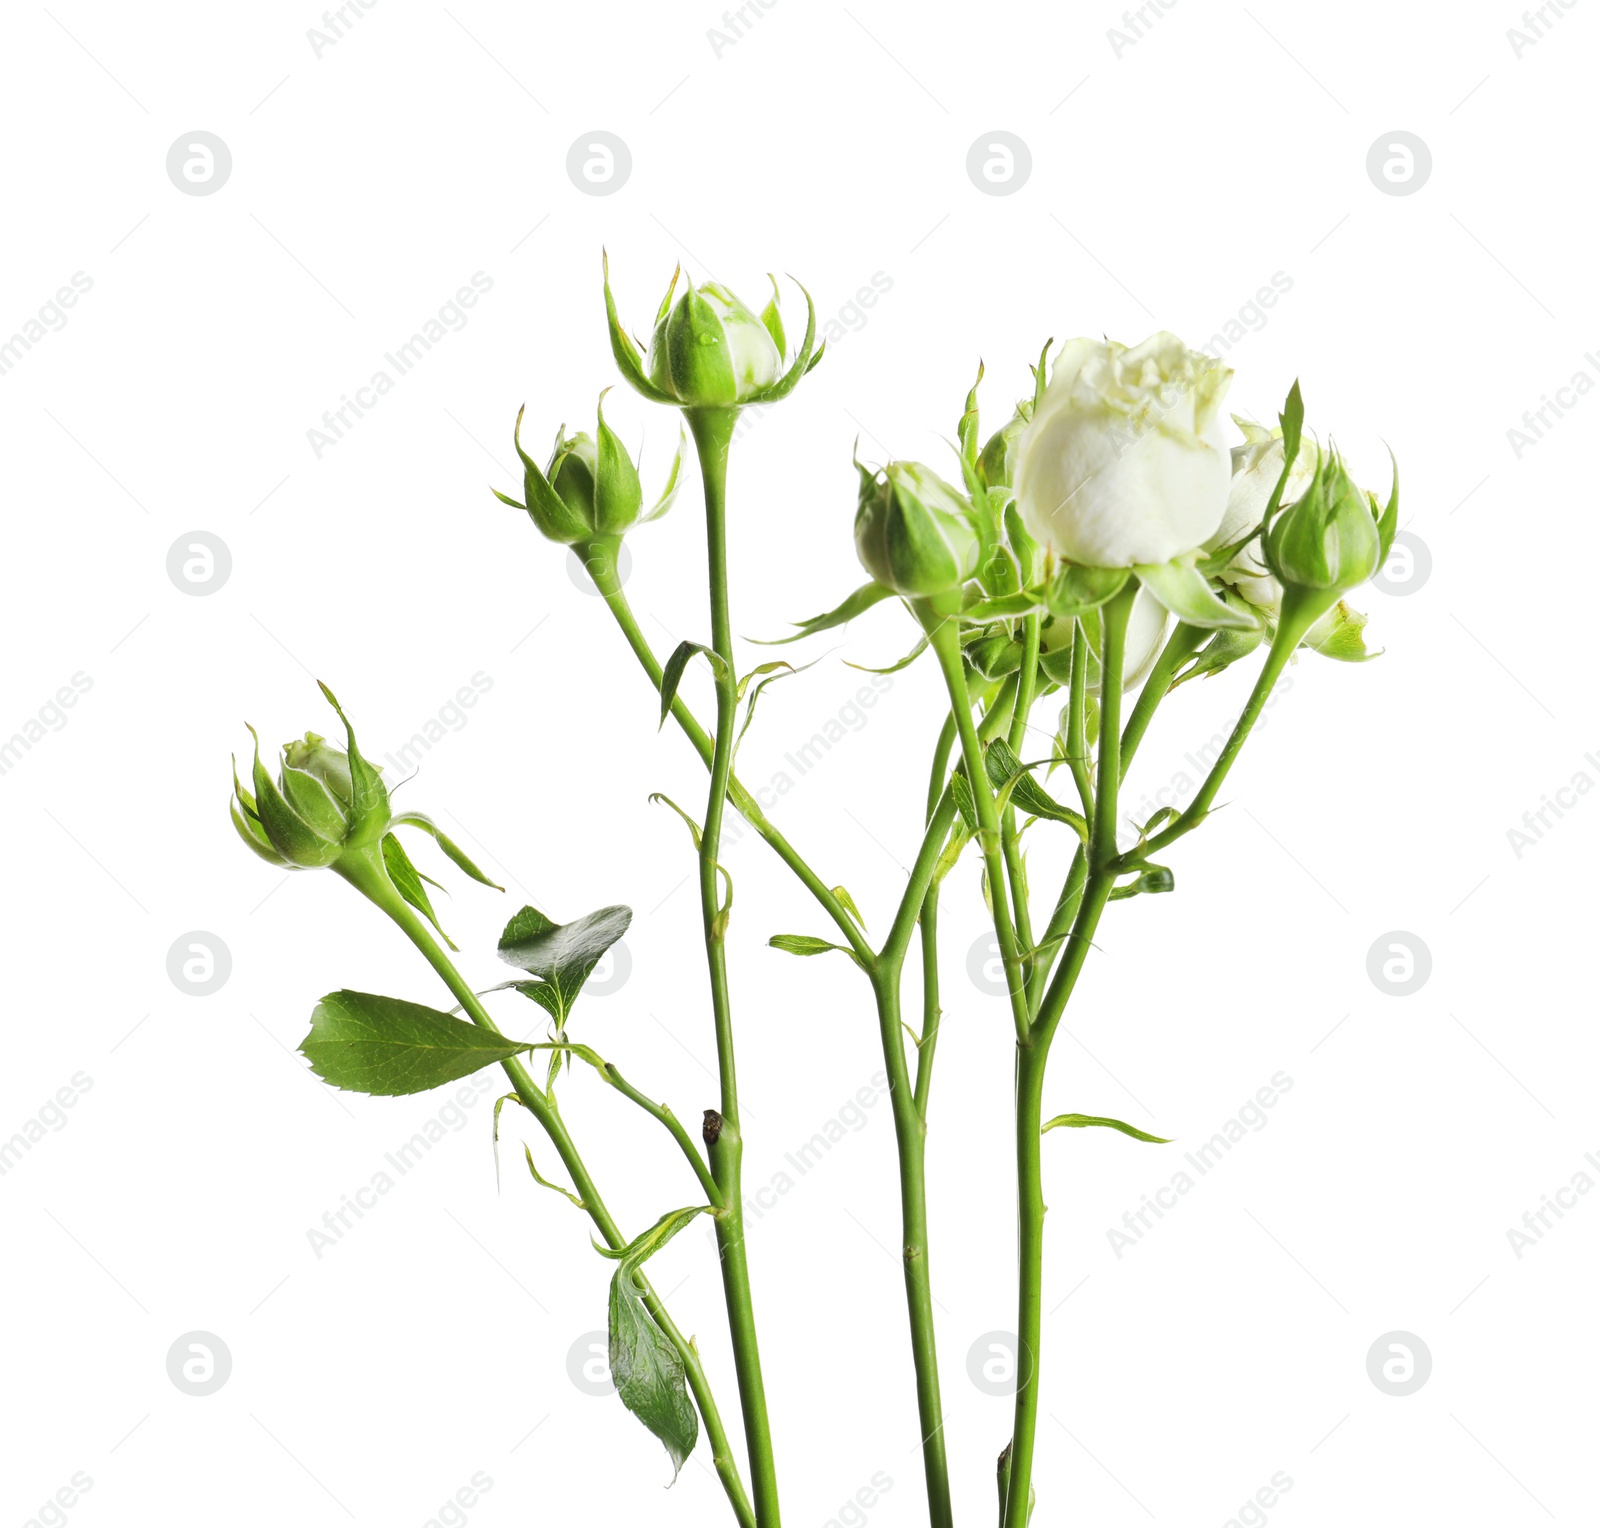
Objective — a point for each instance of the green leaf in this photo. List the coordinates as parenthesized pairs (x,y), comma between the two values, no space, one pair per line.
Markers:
(563,954)
(648,1372)
(1026,794)
(384,1046)
(1183,589)
(408,883)
(967,430)
(864,598)
(451,852)
(645,1367)
(1082,1121)
(1225,647)
(806,944)
(672,674)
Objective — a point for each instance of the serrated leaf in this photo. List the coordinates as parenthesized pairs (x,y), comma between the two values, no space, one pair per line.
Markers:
(1083,1121)
(645,1367)
(562,954)
(862,599)
(365,1043)
(1026,794)
(1075,590)
(648,1372)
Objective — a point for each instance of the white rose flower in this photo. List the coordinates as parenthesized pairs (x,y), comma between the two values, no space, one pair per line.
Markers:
(1124,461)
(1257,465)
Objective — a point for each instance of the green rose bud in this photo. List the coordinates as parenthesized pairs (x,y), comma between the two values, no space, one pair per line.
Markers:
(914,531)
(326,802)
(1329,540)
(590,488)
(709,351)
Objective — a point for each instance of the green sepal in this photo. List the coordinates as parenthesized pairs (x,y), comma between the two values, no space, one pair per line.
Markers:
(853,605)
(618,493)
(804,360)
(623,349)
(369,797)
(384,1046)
(1076,590)
(298,843)
(313,803)
(550,513)
(408,882)
(1340,634)
(1041,377)
(693,826)
(1083,1121)
(669,493)
(1389,520)
(1184,590)
(1226,647)
(895,667)
(967,429)
(773,319)
(447,847)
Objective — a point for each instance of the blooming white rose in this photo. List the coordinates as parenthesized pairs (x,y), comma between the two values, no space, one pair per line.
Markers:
(1124,461)
(1257,465)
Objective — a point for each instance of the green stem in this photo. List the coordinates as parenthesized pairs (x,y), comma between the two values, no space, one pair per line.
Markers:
(928,931)
(369,877)
(1300,609)
(1033,1055)
(1180,644)
(601,560)
(713,431)
(943,635)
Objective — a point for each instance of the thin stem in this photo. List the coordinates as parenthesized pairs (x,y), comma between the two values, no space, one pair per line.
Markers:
(713,430)
(1034,1053)
(910,1130)
(1077,719)
(928,931)
(1295,619)
(601,563)
(1180,644)
(370,878)
(945,640)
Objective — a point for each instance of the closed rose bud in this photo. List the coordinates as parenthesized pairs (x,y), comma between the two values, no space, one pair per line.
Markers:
(1328,540)
(589,488)
(327,801)
(1124,461)
(710,352)
(1257,466)
(914,531)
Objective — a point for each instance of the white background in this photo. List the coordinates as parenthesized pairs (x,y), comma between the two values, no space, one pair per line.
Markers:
(1170,180)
